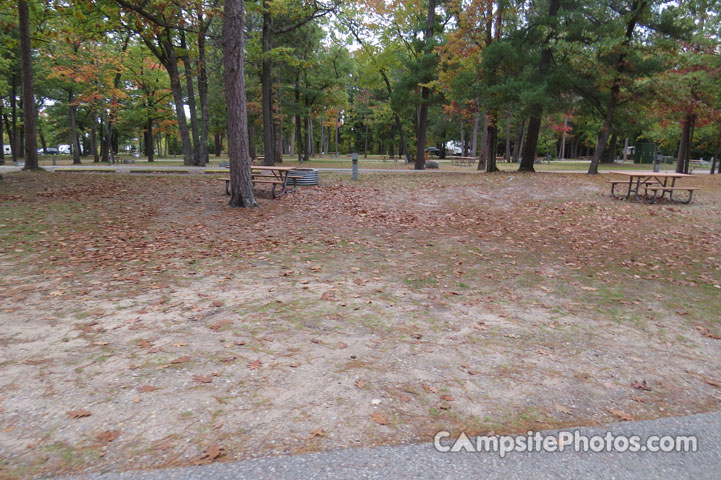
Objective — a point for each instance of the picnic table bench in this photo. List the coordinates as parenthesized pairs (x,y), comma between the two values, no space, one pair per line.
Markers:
(270,175)
(655,185)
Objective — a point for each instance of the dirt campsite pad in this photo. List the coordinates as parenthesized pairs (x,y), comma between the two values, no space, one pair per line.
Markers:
(146,324)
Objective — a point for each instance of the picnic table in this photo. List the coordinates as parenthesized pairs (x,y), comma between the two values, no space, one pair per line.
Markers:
(655,185)
(272,175)
(463,161)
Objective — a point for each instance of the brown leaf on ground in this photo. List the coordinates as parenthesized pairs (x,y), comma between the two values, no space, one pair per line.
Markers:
(318,432)
(255,364)
(212,453)
(712,382)
(294,364)
(328,296)
(101,344)
(447,398)
(203,378)
(623,416)
(78,413)
(429,388)
(641,385)
(706,333)
(180,360)
(360,383)
(342,346)
(217,303)
(146,388)
(218,425)
(379,418)
(145,344)
(107,436)
(180,344)
(562,409)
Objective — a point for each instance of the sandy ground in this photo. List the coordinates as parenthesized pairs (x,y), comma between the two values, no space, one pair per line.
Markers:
(144,323)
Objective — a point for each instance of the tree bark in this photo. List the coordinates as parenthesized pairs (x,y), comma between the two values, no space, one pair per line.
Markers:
(483,159)
(625,150)
(611,154)
(149,144)
(94,137)
(492,141)
(474,135)
(562,152)
(278,126)
(534,124)
(603,134)
(425,95)
(203,97)
(171,65)
(241,184)
(266,80)
(507,155)
(684,147)
(336,120)
(251,141)
(2,136)
(74,144)
(192,108)
(31,142)
(15,138)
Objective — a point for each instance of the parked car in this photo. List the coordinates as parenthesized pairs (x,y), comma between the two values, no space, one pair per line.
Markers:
(432,151)
(48,151)
(64,149)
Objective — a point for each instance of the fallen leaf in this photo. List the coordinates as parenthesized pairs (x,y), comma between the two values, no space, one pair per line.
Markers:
(429,388)
(180,360)
(360,383)
(78,413)
(641,385)
(202,378)
(146,388)
(101,344)
(342,346)
(621,415)
(447,398)
(180,344)
(562,409)
(294,364)
(379,418)
(255,364)
(318,432)
(107,436)
(212,452)
(218,424)
(711,382)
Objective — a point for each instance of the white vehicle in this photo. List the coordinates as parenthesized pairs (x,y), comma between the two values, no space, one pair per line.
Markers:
(7,150)
(64,149)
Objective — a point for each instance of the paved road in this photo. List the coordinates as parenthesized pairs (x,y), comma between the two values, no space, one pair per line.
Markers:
(422,461)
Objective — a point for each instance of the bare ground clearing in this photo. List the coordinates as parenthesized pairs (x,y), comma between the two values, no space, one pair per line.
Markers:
(347,314)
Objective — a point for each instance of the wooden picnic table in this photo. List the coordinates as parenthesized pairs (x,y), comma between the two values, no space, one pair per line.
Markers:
(272,175)
(655,182)
(463,161)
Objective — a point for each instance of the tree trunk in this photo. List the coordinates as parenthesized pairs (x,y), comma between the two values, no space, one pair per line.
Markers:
(474,135)
(492,141)
(425,96)
(365,143)
(94,138)
(31,142)
(15,138)
(611,154)
(685,145)
(625,150)
(291,143)
(463,138)
(278,127)
(149,144)
(605,131)
(562,153)
(518,139)
(507,155)
(336,136)
(203,97)
(266,80)
(483,160)
(74,144)
(241,183)
(188,64)
(171,65)
(104,153)
(637,8)
(534,124)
